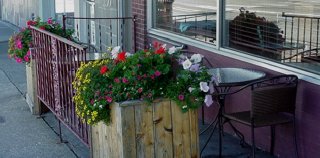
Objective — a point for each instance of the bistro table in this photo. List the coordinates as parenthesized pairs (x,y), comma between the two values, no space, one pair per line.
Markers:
(225,79)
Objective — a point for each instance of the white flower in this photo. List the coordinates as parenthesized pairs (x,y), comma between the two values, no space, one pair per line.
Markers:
(187,64)
(191,89)
(196,58)
(128,54)
(100,106)
(208,100)
(115,52)
(172,50)
(184,107)
(164,46)
(204,86)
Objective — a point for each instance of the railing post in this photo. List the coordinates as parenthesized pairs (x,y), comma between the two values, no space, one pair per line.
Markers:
(135,33)
(64,18)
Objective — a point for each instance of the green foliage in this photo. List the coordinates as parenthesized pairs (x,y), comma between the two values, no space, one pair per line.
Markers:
(144,75)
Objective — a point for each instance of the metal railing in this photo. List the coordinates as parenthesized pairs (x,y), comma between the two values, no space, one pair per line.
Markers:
(101,33)
(57,60)
(302,30)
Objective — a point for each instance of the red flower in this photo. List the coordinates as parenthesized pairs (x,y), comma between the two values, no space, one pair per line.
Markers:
(152,77)
(103,70)
(155,44)
(116,80)
(124,80)
(30,23)
(140,90)
(161,50)
(181,97)
(42,28)
(146,50)
(157,73)
(121,56)
(109,99)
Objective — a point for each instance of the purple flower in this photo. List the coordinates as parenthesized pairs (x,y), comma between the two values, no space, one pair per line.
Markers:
(211,88)
(208,100)
(181,97)
(195,67)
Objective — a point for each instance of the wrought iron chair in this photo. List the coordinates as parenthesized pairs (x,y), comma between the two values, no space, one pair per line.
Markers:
(272,103)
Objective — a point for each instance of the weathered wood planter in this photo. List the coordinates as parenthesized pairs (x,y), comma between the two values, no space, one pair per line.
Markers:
(31,96)
(139,130)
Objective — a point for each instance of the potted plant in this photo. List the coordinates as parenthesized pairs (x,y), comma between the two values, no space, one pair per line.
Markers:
(123,91)
(20,49)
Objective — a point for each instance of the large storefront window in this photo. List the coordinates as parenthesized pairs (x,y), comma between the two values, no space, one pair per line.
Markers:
(279,30)
(191,18)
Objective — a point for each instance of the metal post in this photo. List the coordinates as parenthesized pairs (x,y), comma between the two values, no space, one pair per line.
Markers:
(64,18)
(134,33)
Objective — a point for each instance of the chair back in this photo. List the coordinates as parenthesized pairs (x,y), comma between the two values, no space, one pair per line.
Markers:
(274,95)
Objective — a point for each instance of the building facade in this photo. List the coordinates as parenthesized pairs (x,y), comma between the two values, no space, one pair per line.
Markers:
(273,36)
(213,28)
(18,12)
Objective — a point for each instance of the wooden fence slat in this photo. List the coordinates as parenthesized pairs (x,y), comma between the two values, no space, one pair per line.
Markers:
(194,133)
(144,124)
(128,130)
(163,129)
(181,133)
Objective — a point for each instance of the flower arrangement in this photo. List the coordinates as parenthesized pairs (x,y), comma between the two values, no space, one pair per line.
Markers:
(20,43)
(145,75)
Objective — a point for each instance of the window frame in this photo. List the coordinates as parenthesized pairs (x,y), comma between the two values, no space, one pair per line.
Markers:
(218,49)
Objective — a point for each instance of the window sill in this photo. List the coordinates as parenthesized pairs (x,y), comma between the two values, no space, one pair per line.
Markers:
(278,67)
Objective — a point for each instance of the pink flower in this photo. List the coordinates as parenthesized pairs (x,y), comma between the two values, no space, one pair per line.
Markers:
(140,90)
(157,73)
(19,44)
(181,97)
(152,77)
(28,53)
(18,60)
(139,77)
(92,101)
(26,58)
(124,80)
(50,21)
(116,80)
(109,99)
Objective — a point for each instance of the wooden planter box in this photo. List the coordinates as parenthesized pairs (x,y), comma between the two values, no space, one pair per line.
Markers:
(139,130)
(31,96)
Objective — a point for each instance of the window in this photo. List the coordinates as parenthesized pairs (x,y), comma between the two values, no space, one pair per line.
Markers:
(195,19)
(283,31)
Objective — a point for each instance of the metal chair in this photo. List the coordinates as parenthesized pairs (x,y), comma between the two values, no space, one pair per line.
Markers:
(272,103)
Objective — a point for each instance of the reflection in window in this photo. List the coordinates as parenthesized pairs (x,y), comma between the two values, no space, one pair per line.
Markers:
(287,32)
(190,18)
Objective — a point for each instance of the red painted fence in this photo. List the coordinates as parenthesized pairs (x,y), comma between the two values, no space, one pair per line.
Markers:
(57,60)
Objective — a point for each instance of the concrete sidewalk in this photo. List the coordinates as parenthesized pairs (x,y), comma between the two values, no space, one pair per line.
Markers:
(22,134)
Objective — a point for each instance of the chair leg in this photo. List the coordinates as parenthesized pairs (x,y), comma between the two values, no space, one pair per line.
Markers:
(253,147)
(295,136)
(202,115)
(273,133)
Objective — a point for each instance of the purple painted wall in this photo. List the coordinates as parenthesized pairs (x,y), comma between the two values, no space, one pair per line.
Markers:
(307,113)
